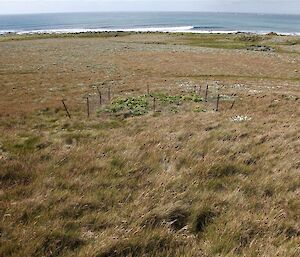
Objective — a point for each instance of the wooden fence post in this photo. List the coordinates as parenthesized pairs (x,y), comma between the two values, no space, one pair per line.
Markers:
(66,109)
(154,103)
(108,94)
(100,96)
(206,93)
(232,104)
(218,100)
(148,90)
(88,107)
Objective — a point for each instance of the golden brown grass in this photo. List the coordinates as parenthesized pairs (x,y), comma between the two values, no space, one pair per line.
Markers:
(184,183)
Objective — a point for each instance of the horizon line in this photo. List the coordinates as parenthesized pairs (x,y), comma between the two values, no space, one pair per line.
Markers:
(88,12)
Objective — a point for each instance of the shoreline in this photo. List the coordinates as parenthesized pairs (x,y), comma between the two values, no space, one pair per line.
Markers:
(181,29)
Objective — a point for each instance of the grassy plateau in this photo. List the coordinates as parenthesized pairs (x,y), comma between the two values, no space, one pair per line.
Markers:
(191,146)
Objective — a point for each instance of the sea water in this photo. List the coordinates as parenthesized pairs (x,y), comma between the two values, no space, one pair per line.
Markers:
(194,22)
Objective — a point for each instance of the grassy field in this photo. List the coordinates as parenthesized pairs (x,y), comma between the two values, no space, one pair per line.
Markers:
(221,41)
(144,177)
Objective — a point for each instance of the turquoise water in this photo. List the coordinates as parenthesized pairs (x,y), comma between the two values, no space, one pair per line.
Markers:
(176,21)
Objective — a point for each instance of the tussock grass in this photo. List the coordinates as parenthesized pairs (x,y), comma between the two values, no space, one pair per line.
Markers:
(155,244)
(175,216)
(227,169)
(170,183)
(158,192)
(56,244)
(201,219)
(14,173)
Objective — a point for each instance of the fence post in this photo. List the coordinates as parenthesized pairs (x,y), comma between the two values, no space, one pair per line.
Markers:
(88,107)
(100,96)
(66,109)
(232,104)
(148,90)
(108,94)
(154,103)
(206,93)
(218,100)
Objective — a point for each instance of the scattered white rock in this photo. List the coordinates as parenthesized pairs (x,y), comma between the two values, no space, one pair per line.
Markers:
(238,86)
(253,91)
(241,118)
(226,97)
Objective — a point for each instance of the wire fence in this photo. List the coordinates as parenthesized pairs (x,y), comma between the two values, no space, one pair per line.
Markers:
(104,98)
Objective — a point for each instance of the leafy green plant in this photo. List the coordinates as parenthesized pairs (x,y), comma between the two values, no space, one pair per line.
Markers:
(170,99)
(135,105)
(141,105)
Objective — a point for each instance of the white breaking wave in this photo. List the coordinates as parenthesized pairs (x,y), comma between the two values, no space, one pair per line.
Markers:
(161,29)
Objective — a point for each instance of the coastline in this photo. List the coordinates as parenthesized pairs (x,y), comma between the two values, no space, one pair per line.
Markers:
(179,29)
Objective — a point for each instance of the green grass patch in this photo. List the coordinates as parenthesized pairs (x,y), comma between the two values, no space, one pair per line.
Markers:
(22,146)
(221,41)
(141,105)
(108,124)
(15,37)
(177,99)
(117,163)
(136,106)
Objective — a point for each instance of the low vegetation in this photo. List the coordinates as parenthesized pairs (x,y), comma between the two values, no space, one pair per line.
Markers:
(17,37)
(222,41)
(131,180)
(141,105)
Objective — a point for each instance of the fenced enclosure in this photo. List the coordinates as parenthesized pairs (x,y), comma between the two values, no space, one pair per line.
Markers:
(106,98)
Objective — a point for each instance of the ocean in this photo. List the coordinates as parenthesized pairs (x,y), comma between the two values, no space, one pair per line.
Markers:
(194,22)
